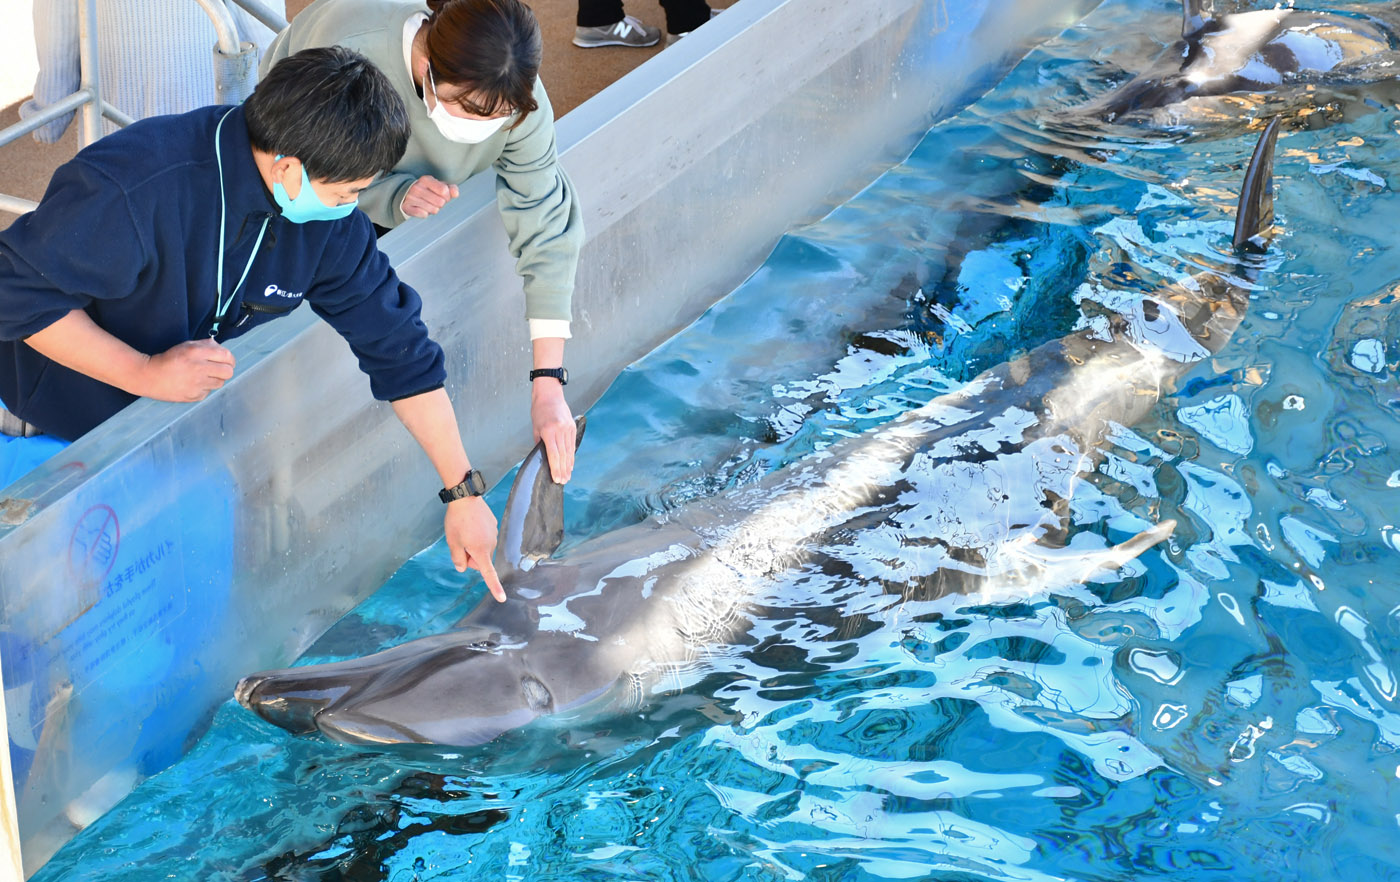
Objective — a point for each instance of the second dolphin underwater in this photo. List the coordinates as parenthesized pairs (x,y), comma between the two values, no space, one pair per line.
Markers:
(1295,59)
(985,472)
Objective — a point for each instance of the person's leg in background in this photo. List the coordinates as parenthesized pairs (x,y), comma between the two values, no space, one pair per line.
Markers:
(603,23)
(684,16)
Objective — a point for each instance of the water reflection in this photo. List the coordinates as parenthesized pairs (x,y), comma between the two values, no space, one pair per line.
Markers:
(1224,704)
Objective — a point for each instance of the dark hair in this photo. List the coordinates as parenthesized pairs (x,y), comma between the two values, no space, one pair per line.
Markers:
(332,109)
(490,48)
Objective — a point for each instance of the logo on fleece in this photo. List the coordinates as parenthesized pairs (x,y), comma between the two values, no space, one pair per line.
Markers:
(274,291)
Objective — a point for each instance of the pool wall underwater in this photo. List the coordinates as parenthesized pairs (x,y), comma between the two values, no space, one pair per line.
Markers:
(155,561)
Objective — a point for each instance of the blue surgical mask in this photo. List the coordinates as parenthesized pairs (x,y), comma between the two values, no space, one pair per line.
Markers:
(308,206)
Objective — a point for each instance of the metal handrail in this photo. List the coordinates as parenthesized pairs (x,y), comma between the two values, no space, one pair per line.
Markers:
(231,56)
(274,22)
(224,28)
(88,97)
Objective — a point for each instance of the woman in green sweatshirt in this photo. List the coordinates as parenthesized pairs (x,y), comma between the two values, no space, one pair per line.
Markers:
(468,72)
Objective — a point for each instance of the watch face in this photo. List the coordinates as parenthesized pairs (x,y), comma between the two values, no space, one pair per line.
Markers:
(476,484)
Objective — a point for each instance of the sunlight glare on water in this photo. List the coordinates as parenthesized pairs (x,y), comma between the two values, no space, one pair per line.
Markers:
(1222,707)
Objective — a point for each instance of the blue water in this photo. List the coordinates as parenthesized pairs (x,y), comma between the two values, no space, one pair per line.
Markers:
(1224,707)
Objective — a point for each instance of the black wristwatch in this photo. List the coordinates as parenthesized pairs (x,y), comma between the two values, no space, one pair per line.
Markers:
(560,374)
(473,484)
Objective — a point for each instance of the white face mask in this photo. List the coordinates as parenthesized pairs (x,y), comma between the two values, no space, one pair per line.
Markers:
(455,128)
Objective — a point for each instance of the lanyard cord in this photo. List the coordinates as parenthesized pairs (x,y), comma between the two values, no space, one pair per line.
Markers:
(221,306)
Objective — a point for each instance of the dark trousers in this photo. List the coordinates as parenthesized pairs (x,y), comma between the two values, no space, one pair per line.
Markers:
(682,16)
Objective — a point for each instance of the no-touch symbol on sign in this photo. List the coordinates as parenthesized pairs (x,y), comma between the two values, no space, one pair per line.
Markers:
(93,548)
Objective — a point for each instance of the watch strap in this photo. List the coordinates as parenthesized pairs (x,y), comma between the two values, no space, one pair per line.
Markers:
(559,373)
(473,484)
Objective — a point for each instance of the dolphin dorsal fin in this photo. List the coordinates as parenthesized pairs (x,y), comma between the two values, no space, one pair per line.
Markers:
(533,525)
(1193,18)
(1255,216)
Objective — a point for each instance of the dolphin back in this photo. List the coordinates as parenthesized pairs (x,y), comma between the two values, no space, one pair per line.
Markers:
(533,524)
(1255,217)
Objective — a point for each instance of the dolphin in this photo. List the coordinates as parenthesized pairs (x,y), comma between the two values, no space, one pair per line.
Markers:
(990,466)
(1284,54)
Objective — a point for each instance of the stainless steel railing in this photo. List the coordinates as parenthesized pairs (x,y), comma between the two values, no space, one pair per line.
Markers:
(235,73)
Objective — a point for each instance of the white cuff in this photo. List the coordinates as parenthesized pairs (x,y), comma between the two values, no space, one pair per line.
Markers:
(549,328)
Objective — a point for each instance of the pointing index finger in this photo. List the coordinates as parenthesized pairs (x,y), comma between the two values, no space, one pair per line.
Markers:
(493,581)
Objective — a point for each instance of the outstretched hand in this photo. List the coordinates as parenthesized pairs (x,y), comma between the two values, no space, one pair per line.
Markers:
(470,528)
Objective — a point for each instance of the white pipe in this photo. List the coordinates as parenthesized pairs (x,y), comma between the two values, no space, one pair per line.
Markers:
(16,205)
(116,115)
(264,14)
(224,26)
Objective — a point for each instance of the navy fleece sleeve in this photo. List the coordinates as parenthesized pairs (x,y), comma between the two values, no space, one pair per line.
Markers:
(78,246)
(360,295)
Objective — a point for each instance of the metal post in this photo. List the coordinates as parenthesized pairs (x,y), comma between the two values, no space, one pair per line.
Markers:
(91,72)
(235,62)
(235,71)
(225,30)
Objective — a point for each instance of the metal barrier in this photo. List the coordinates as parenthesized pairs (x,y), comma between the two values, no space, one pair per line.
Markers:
(177,547)
(88,98)
(235,72)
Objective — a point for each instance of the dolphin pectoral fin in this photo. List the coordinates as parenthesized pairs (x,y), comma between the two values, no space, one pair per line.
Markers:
(1254,219)
(406,719)
(533,525)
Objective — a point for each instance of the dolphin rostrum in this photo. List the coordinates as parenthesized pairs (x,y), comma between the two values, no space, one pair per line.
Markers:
(1282,53)
(987,471)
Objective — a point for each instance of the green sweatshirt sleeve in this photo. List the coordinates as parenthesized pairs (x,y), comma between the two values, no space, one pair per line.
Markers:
(382,199)
(539,208)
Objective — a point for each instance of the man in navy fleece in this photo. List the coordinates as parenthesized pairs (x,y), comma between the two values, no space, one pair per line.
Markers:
(161,241)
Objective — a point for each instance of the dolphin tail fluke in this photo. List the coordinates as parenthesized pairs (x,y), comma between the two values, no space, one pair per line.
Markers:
(533,525)
(1255,218)
(1193,18)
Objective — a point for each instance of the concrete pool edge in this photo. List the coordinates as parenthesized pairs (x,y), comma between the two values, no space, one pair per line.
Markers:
(176,548)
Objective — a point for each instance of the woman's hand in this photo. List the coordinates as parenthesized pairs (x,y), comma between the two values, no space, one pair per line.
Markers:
(426,196)
(554,425)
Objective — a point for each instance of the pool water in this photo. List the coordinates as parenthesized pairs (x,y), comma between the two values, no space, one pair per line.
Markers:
(1223,707)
